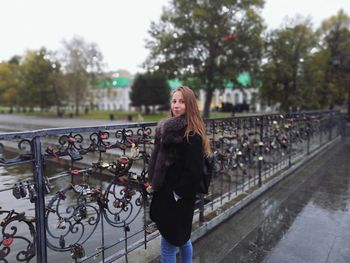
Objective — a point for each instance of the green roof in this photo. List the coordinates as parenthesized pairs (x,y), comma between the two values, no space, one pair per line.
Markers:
(119,82)
(244,79)
(174,83)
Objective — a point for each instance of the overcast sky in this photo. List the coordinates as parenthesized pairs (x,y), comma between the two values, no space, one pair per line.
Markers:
(119,27)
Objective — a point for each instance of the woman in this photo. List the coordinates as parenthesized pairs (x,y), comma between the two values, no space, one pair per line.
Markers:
(174,171)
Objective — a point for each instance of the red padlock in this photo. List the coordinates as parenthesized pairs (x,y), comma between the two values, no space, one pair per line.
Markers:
(74,172)
(7,242)
(104,136)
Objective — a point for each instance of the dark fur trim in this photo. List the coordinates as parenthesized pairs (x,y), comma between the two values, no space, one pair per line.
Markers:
(170,131)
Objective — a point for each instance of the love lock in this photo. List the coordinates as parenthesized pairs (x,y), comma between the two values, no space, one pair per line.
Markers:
(83,212)
(104,164)
(78,188)
(22,190)
(61,223)
(61,195)
(77,251)
(74,154)
(86,190)
(62,242)
(16,192)
(32,193)
(7,242)
(117,203)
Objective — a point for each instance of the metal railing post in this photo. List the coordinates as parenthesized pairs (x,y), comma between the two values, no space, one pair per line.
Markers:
(40,202)
(260,149)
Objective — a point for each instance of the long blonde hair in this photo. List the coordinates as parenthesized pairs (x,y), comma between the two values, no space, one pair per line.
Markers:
(194,121)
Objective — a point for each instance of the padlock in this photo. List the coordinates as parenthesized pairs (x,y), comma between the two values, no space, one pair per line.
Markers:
(74,154)
(62,242)
(61,195)
(7,242)
(117,203)
(86,190)
(78,188)
(61,223)
(104,164)
(83,212)
(16,192)
(77,251)
(134,151)
(22,190)
(32,193)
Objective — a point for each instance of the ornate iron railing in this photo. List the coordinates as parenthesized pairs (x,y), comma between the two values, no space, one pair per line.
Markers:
(86,198)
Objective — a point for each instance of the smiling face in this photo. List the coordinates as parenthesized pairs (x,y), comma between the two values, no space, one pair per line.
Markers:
(178,106)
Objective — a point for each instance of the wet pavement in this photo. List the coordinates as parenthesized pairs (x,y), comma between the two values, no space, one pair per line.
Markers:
(304,218)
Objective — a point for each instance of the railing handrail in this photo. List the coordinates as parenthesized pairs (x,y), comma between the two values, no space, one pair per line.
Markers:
(244,161)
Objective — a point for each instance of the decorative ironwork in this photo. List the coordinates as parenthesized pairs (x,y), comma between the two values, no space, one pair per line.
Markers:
(10,222)
(247,151)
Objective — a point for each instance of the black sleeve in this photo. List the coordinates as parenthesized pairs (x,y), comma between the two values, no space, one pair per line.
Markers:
(193,167)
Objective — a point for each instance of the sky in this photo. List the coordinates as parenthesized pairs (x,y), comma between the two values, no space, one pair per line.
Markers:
(118,27)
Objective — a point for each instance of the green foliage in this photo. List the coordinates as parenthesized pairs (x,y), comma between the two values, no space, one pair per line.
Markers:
(10,84)
(207,42)
(336,47)
(150,89)
(36,74)
(308,69)
(288,52)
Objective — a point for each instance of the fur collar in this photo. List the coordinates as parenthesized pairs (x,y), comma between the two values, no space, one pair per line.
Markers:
(172,130)
(168,132)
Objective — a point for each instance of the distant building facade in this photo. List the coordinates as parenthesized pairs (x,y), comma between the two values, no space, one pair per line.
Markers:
(113,93)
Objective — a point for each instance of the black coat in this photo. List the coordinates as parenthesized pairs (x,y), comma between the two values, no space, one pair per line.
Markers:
(183,168)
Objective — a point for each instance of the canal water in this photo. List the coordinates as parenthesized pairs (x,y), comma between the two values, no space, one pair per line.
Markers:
(92,232)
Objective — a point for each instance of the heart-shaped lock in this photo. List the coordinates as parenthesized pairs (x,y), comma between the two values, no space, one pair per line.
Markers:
(7,242)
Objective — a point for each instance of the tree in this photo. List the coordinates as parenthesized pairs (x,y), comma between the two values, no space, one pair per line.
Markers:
(206,42)
(336,48)
(288,51)
(10,83)
(149,90)
(37,70)
(82,63)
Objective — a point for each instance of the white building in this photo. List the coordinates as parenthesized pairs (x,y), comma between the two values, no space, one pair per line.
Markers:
(114,93)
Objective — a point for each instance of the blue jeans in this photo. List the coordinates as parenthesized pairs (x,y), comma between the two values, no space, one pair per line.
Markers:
(168,252)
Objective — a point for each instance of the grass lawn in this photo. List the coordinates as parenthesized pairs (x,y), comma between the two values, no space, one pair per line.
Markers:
(108,115)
